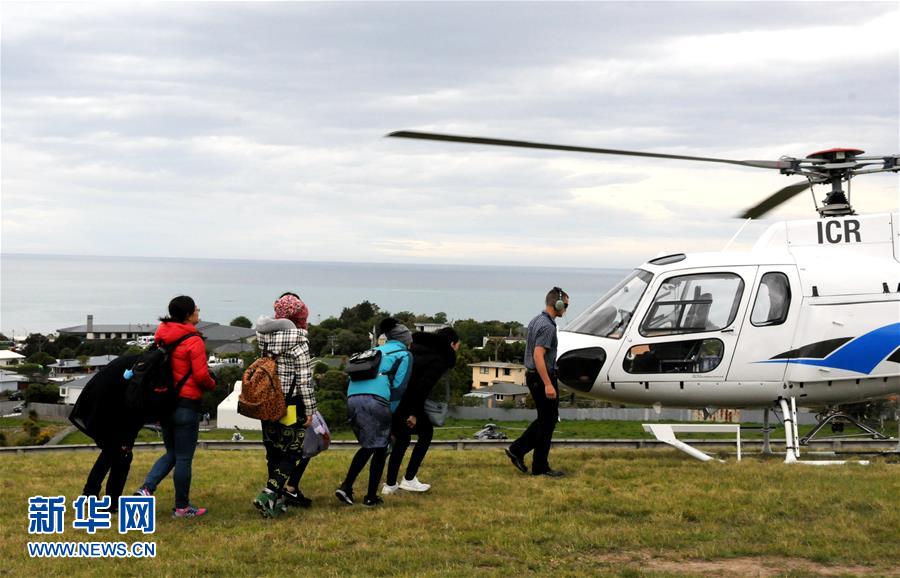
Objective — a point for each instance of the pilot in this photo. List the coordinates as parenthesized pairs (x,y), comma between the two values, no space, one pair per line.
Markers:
(540,378)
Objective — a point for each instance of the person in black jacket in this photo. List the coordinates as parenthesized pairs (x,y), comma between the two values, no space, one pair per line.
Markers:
(100,412)
(433,354)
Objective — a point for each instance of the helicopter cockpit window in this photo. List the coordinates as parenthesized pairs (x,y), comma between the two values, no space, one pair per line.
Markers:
(693,303)
(693,356)
(609,316)
(772,300)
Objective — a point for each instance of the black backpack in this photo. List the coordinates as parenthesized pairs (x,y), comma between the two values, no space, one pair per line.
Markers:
(364,365)
(151,388)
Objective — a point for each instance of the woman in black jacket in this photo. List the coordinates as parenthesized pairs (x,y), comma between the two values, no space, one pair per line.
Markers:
(101,413)
(433,354)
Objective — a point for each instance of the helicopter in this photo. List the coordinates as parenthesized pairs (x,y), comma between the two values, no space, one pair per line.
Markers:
(809,317)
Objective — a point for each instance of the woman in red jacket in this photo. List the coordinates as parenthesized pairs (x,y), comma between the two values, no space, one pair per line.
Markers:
(181,429)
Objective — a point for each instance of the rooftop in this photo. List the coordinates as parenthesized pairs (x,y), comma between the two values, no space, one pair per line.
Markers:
(93,361)
(147,328)
(504,388)
(79,383)
(499,364)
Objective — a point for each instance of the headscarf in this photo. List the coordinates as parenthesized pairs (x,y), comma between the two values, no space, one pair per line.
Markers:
(292,308)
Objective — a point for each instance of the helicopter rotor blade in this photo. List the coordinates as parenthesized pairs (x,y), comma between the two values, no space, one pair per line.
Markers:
(775,199)
(781,164)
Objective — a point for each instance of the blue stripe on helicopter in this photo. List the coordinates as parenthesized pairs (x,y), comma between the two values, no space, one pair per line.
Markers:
(860,355)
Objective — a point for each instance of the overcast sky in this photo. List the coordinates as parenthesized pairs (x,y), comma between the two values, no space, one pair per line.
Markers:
(256,130)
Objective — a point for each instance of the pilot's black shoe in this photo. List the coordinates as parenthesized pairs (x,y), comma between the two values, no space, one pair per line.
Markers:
(297,499)
(516,461)
(550,473)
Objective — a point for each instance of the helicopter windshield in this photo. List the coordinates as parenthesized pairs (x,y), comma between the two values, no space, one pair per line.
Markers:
(609,317)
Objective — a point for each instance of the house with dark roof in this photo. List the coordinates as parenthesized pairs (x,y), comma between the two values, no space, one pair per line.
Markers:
(91,331)
(216,335)
(68,367)
(500,392)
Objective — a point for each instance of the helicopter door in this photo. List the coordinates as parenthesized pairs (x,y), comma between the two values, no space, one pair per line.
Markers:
(688,330)
(769,325)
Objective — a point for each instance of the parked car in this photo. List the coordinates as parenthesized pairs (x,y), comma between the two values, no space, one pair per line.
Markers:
(215,363)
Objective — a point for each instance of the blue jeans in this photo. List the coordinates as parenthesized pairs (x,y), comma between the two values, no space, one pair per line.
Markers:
(180,433)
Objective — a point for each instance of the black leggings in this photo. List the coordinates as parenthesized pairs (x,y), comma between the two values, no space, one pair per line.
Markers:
(402,437)
(294,481)
(362,456)
(114,459)
(284,452)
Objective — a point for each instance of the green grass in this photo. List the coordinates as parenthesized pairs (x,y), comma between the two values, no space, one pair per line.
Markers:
(464,429)
(633,513)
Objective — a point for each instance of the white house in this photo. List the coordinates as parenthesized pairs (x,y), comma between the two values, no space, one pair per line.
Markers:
(227,416)
(70,390)
(8,357)
(10,381)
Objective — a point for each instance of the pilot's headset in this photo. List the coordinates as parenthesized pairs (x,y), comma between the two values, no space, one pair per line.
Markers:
(560,305)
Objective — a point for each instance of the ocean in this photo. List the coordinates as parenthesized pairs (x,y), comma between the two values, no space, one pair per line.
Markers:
(42,293)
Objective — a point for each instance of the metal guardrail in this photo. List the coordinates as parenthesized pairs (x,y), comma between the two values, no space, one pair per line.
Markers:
(860,445)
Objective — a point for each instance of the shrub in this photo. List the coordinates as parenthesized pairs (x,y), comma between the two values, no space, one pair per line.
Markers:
(42,393)
(31,428)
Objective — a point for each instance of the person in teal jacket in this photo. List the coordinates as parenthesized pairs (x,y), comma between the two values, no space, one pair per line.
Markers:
(369,405)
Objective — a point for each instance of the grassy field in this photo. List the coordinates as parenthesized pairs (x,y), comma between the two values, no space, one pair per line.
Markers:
(622,513)
(464,429)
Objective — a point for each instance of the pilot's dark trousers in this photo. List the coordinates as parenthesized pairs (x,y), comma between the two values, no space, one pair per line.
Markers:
(539,434)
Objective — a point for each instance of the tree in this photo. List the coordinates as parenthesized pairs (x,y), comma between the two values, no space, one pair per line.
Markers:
(406,318)
(362,313)
(440,317)
(66,353)
(461,374)
(67,341)
(225,378)
(42,393)
(330,398)
(348,342)
(332,381)
(318,340)
(241,321)
(35,343)
(470,332)
(41,358)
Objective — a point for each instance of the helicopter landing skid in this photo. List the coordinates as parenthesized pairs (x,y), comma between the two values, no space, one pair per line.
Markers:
(834,414)
(792,439)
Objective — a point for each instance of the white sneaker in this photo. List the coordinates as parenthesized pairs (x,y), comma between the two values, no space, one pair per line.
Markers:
(414,485)
(388,490)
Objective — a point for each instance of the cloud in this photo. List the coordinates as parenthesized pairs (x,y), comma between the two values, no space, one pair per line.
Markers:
(256,130)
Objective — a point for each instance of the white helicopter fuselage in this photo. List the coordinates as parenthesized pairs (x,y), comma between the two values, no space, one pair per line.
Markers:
(811,312)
